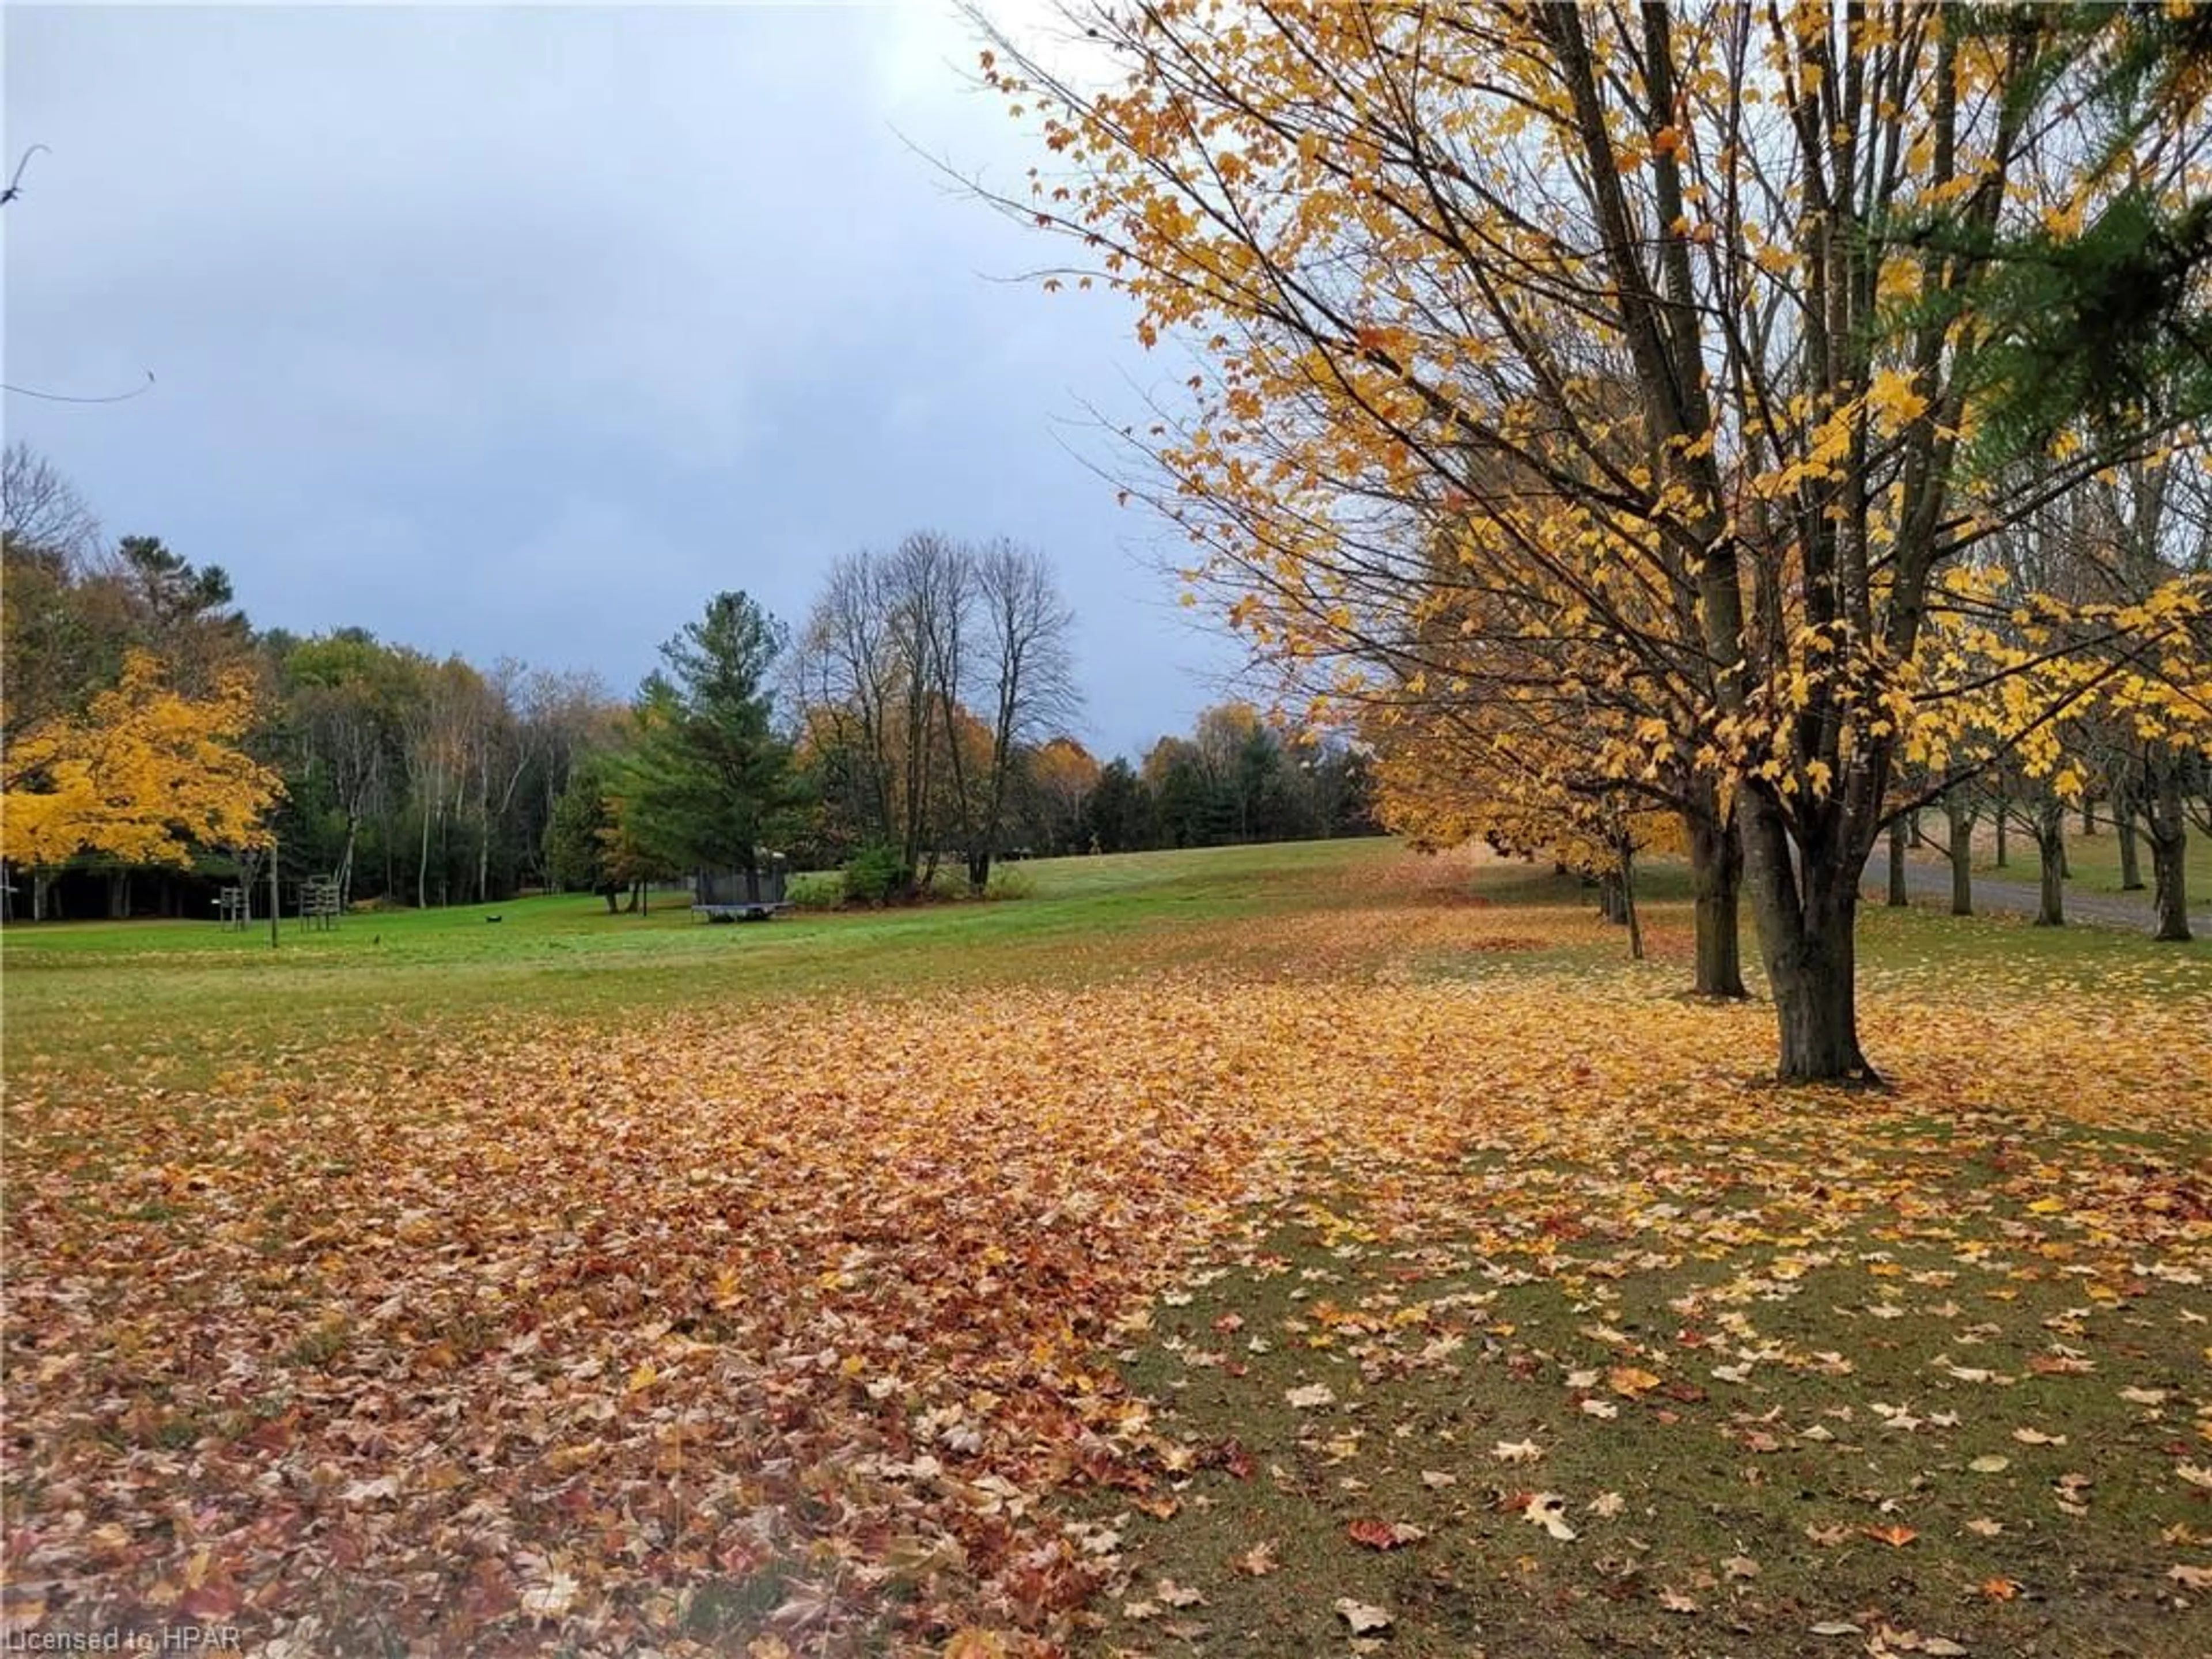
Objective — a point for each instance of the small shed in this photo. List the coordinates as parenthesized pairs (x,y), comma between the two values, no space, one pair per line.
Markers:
(753,895)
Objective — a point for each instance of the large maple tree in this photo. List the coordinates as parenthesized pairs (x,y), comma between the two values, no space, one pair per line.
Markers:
(1684,321)
(144,775)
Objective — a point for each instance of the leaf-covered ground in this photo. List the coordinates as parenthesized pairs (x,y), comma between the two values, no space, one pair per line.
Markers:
(1388,1284)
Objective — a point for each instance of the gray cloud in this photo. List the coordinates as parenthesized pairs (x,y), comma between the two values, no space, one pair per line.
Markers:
(519,331)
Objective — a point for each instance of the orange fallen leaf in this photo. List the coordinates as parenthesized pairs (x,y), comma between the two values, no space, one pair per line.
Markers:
(1384,1535)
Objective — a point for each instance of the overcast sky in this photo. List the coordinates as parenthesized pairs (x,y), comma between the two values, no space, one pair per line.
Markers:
(520,332)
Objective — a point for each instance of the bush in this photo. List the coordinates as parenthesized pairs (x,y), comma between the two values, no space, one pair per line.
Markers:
(1010,883)
(873,876)
(821,891)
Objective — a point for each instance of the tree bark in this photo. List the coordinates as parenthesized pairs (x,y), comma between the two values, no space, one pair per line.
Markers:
(1808,913)
(1962,855)
(1716,879)
(2168,830)
(1898,896)
(1609,897)
(2050,850)
(1628,904)
(345,862)
(2004,830)
(423,864)
(2124,823)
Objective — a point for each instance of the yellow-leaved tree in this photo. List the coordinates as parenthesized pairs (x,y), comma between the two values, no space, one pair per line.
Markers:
(1686,320)
(143,775)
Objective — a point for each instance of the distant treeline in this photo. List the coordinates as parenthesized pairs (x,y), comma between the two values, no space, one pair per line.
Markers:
(923,704)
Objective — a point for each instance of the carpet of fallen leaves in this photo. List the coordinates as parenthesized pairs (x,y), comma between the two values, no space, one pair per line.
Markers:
(795,1330)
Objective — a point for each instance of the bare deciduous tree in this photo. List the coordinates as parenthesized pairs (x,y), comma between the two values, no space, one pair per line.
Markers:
(40,509)
(887,675)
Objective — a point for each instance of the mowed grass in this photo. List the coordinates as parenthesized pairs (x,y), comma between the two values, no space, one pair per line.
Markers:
(1163,1262)
(190,998)
(2093,861)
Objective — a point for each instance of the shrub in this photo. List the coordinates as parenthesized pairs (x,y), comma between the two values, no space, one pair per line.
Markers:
(821,891)
(1010,883)
(873,876)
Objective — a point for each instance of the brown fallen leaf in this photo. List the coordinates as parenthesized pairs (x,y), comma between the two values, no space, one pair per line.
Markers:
(1385,1534)
(1363,1619)
(1258,1561)
(1896,1537)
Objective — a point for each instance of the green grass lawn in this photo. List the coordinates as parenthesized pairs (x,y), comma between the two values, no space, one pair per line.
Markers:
(191,995)
(125,993)
(1161,1262)
(2092,862)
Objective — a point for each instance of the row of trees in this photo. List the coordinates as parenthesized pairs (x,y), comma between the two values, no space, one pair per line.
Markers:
(157,744)
(1732,426)
(886,765)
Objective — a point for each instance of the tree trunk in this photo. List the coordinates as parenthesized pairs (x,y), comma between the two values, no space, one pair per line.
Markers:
(1716,879)
(1609,897)
(2089,817)
(2169,846)
(613,896)
(1898,896)
(1808,910)
(1962,855)
(2050,850)
(2004,830)
(422,866)
(119,894)
(979,873)
(345,863)
(1628,904)
(2124,823)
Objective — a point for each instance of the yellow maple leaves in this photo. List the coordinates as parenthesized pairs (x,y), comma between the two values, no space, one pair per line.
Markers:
(144,773)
